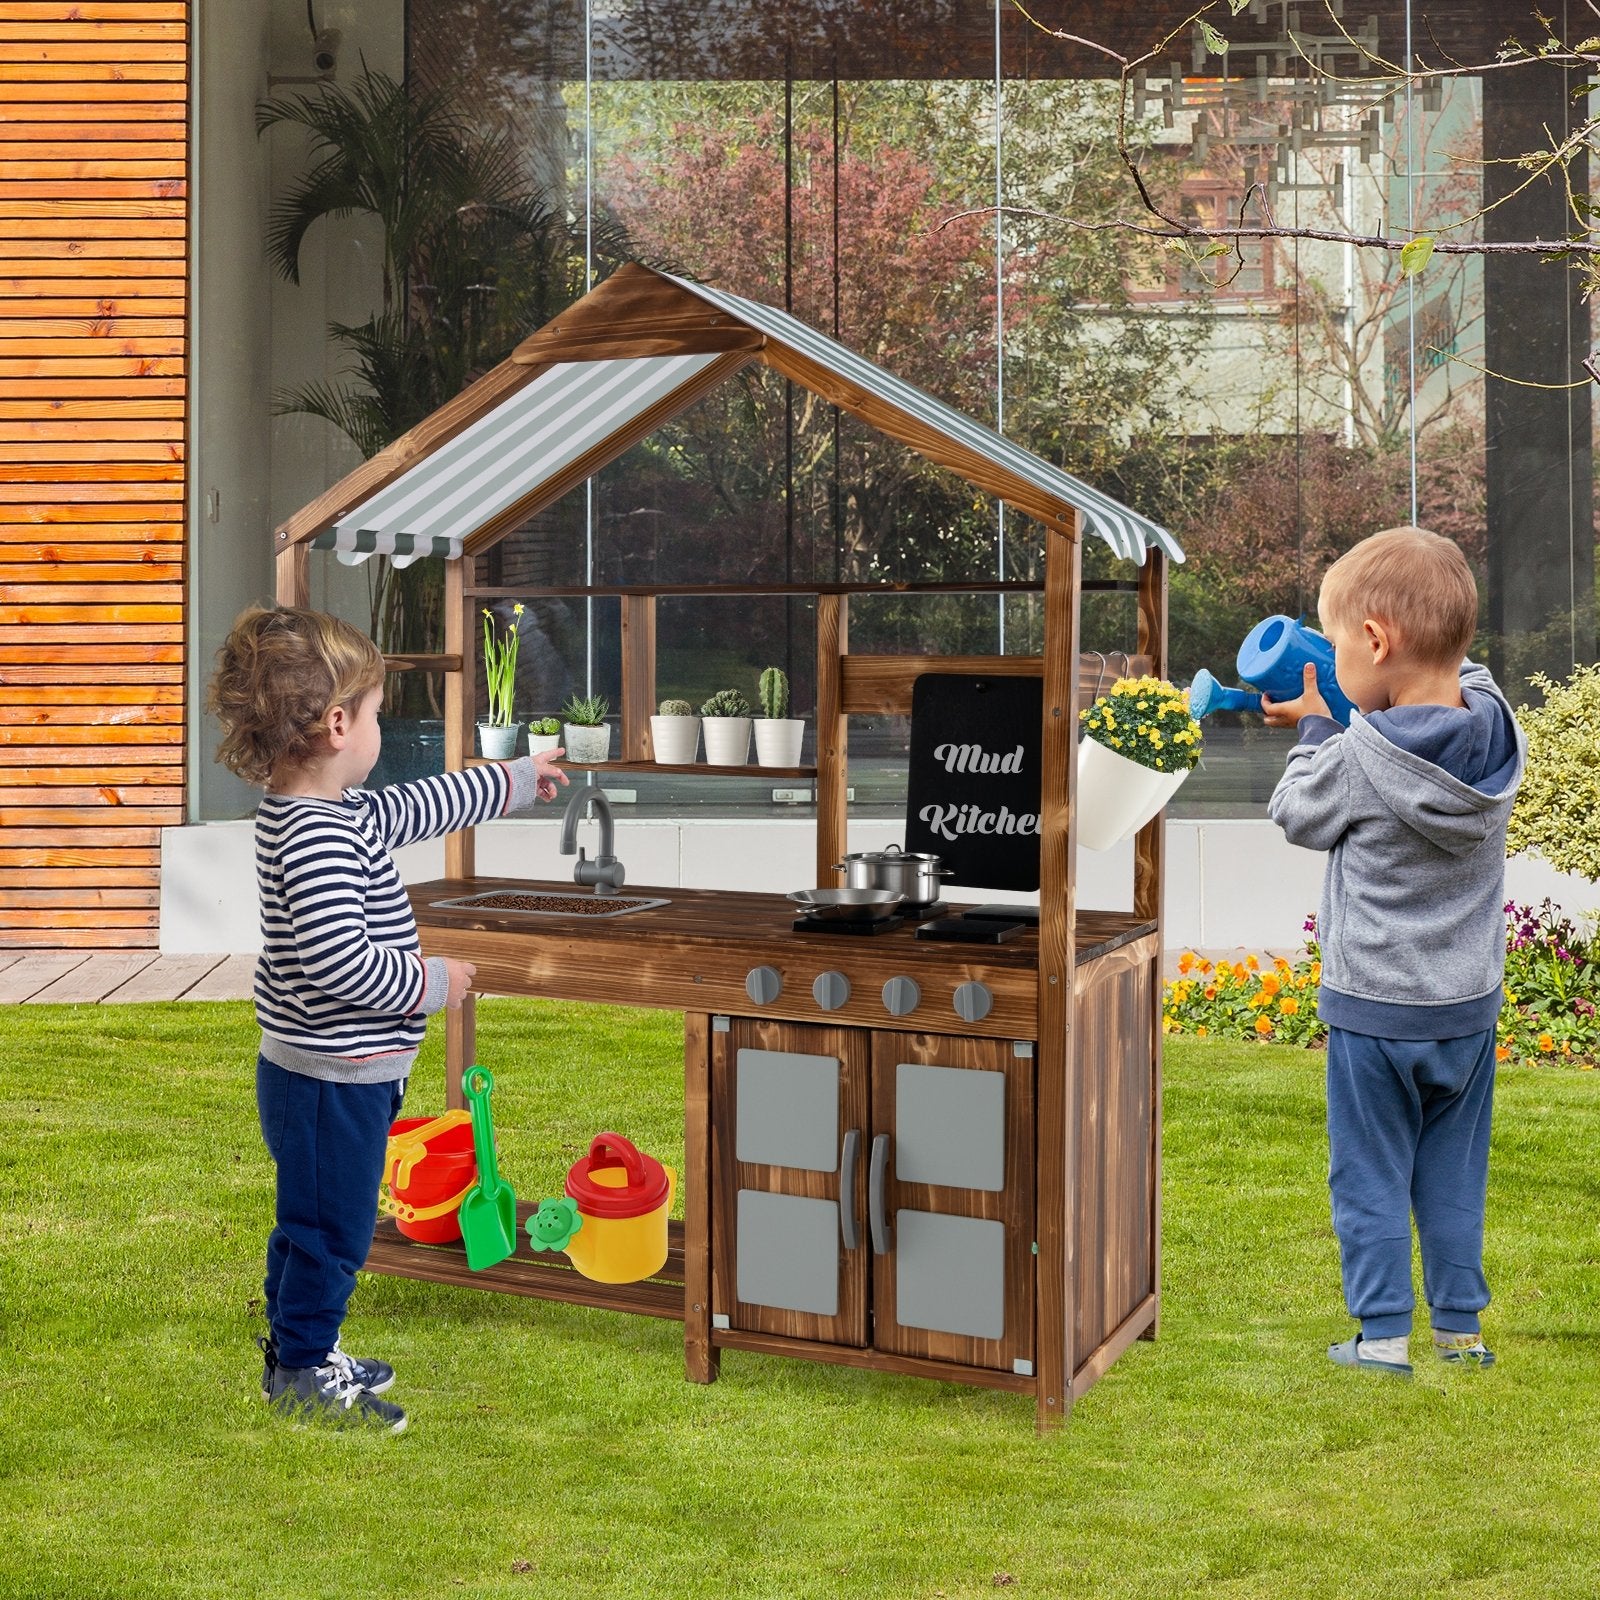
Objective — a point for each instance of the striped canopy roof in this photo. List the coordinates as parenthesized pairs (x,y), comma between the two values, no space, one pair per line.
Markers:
(580,392)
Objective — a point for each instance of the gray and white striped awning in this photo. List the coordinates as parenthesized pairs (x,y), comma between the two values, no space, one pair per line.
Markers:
(1129,534)
(539,431)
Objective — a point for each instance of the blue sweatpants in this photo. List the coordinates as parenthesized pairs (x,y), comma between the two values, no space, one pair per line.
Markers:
(328,1142)
(1408,1134)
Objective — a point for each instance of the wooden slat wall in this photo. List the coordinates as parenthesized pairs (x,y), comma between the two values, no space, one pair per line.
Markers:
(93,257)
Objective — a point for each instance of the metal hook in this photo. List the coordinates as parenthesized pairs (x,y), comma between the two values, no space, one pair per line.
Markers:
(1100,681)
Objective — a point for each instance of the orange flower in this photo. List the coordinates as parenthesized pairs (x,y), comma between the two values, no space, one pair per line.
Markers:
(1566,1047)
(1546,1043)
(1316,972)
(1260,998)
(1263,1026)
(1252,963)
(1280,965)
(1502,1052)
(1203,966)
(1185,961)
(1211,991)
(1269,983)
(1201,1031)
(1288,1005)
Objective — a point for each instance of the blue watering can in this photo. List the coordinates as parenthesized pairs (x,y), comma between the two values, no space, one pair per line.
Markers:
(1273,657)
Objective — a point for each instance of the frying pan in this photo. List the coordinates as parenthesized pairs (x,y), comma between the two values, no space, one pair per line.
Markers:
(849,905)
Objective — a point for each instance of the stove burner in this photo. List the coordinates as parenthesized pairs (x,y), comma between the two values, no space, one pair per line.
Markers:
(933,908)
(837,925)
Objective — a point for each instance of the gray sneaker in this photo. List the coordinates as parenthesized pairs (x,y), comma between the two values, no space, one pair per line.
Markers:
(376,1377)
(327,1394)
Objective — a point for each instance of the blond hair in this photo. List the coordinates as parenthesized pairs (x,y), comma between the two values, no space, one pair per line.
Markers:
(279,673)
(1415,582)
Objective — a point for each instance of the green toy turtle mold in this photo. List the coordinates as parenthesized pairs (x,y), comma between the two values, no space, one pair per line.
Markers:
(553,1224)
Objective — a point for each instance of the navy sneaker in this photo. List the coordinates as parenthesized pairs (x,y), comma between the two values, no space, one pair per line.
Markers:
(326,1395)
(376,1377)
(1463,1350)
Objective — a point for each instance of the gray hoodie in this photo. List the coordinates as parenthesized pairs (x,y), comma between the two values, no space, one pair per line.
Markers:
(1411,805)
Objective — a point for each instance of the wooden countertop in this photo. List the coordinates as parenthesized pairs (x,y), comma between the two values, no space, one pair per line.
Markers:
(695,953)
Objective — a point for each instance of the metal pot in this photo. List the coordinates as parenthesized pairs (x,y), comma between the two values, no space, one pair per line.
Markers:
(912,874)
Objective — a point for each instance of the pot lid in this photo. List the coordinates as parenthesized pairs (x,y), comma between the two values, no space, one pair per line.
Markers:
(891,854)
(645,1187)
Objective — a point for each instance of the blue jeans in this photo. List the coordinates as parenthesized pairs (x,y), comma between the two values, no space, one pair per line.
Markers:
(327,1141)
(1408,1133)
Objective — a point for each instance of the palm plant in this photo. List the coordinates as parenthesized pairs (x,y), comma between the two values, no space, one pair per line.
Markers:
(473,259)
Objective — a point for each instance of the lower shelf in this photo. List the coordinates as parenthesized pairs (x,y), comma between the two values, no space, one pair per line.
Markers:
(545,1276)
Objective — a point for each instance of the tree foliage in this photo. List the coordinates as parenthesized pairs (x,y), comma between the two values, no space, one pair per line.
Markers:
(1557,811)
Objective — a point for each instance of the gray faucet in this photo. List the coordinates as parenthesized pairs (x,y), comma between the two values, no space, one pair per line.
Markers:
(605,871)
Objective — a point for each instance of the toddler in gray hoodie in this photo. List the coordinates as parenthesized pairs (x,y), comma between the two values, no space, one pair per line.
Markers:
(1411,804)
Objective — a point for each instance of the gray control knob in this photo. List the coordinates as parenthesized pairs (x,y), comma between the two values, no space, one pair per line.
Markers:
(901,996)
(763,985)
(973,1001)
(831,990)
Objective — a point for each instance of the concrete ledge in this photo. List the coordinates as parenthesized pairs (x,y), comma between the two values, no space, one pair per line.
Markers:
(1230,884)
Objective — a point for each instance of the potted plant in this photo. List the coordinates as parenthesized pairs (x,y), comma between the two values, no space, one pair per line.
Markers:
(544,733)
(1139,744)
(726,718)
(778,735)
(497,734)
(584,728)
(674,733)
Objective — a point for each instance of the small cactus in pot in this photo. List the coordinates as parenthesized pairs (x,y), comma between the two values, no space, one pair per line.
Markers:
(674,733)
(727,724)
(584,727)
(778,735)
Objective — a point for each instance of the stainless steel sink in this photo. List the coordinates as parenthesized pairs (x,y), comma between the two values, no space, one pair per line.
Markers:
(525,903)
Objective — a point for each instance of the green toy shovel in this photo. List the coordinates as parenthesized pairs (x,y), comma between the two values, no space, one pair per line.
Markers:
(489,1208)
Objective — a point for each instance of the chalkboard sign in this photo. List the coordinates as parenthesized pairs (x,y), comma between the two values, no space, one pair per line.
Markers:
(972,795)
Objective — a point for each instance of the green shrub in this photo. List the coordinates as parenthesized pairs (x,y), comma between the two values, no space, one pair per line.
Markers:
(1557,811)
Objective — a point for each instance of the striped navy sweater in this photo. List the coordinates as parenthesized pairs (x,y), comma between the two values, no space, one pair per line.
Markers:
(342,991)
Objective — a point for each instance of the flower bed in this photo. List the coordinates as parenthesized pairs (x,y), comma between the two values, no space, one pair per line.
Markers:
(1551,1011)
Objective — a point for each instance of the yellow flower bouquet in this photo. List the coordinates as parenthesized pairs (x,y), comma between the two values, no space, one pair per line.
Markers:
(1147,720)
(1139,745)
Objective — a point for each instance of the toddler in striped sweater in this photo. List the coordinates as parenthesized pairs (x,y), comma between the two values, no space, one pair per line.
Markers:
(342,990)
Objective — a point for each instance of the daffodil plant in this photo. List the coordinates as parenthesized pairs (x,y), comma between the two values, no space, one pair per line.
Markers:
(500,667)
(1147,720)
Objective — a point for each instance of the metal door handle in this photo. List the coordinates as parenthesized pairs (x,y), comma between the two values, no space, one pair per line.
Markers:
(877,1175)
(847,1188)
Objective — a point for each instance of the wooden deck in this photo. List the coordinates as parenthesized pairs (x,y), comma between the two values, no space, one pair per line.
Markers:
(85,977)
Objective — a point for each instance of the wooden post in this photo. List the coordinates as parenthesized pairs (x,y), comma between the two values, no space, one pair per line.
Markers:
(1056,1056)
(638,674)
(460,856)
(293,566)
(1149,888)
(833,760)
(701,1359)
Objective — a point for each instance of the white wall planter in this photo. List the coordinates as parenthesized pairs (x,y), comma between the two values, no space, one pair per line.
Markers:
(586,745)
(1116,796)
(727,741)
(496,743)
(778,741)
(674,740)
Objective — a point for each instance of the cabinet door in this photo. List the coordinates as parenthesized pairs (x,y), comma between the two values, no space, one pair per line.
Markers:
(788,1145)
(951,1199)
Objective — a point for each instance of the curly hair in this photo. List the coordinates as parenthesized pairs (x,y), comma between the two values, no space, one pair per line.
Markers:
(279,672)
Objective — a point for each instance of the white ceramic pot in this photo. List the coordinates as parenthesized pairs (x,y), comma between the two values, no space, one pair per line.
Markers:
(727,741)
(586,745)
(496,743)
(778,741)
(1116,796)
(540,743)
(674,740)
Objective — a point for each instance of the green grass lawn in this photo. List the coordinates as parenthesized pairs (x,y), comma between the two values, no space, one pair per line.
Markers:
(557,1451)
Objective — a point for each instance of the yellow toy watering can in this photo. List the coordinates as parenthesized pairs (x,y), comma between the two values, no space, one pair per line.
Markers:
(613,1222)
